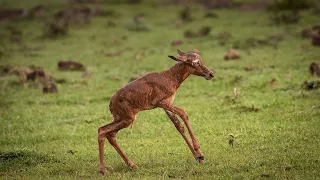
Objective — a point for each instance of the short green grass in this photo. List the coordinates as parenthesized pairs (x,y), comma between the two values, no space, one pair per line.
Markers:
(55,136)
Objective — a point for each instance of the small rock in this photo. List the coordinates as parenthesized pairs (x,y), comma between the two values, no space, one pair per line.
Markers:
(315,69)
(316,39)
(70,65)
(232,54)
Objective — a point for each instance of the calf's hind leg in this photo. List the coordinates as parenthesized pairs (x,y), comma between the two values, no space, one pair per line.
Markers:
(109,131)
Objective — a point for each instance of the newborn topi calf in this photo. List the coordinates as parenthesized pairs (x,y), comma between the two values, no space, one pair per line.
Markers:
(154,90)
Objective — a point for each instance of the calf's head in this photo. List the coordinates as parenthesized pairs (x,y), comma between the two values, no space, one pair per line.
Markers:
(195,62)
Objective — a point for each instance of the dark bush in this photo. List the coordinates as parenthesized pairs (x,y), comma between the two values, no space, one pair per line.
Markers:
(293,5)
(286,17)
(56,28)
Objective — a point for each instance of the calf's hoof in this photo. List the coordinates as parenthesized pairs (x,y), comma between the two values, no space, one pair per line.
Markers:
(132,165)
(103,171)
(200,159)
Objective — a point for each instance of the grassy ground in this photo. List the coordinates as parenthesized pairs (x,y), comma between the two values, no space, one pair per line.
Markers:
(55,136)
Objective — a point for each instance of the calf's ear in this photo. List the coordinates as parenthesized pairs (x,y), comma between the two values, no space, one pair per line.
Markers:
(178,58)
(181,53)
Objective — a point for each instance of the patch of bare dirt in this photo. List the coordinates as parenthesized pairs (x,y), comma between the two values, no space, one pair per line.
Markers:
(71,65)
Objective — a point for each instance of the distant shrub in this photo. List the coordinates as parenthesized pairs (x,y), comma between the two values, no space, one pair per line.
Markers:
(287,11)
(185,14)
(311,85)
(294,5)
(286,17)
(203,31)
(56,28)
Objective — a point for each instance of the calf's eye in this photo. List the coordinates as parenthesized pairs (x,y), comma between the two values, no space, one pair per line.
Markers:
(195,63)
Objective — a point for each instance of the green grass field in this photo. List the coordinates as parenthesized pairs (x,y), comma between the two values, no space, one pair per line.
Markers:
(54,136)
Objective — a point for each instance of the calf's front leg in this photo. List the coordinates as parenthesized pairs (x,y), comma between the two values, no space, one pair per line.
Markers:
(184,116)
(180,128)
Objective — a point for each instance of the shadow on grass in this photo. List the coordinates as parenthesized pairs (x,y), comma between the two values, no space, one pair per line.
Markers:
(15,160)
